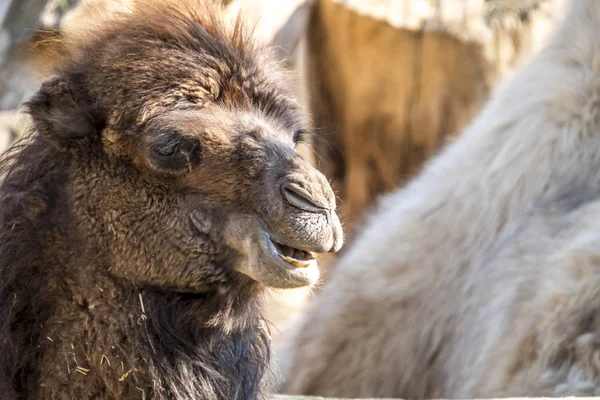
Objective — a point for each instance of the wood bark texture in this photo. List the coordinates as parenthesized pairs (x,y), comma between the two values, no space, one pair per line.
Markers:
(389,82)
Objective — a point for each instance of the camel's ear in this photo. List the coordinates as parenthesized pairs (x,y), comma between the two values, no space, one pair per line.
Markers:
(62,114)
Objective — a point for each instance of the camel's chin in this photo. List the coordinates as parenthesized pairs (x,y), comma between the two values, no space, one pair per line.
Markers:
(281,267)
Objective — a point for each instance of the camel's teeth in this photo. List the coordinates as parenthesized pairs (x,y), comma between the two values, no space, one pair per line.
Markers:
(294,262)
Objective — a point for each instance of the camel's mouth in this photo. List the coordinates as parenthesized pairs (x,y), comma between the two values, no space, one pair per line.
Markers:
(271,257)
(298,258)
(285,266)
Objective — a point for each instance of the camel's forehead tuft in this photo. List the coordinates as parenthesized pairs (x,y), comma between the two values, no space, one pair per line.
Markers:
(168,17)
(159,54)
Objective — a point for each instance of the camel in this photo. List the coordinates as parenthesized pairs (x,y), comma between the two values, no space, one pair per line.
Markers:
(480,278)
(157,197)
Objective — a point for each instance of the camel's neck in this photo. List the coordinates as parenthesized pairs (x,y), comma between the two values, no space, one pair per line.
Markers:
(115,341)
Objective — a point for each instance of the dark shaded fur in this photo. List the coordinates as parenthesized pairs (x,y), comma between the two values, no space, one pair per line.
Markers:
(71,326)
(182,359)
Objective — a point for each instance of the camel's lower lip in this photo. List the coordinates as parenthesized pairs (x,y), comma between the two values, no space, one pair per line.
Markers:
(270,261)
(294,271)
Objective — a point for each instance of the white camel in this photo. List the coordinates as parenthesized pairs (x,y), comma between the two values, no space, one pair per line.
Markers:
(481,277)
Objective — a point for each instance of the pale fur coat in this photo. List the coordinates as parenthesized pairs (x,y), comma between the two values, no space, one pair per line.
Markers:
(481,277)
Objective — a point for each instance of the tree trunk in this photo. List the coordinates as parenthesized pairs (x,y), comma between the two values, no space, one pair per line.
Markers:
(389,82)
(18,20)
(25,57)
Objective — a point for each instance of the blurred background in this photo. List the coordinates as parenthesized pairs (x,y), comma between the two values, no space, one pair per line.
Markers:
(387,83)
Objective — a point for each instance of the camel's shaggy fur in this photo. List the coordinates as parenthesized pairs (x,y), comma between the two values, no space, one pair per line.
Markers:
(481,277)
(138,220)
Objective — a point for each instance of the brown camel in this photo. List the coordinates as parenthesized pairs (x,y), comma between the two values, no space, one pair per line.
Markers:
(157,197)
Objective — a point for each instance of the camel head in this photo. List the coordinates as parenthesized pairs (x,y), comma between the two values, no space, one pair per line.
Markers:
(183,170)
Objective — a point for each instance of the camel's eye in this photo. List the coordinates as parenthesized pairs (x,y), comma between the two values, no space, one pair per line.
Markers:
(167,145)
(167,150)
(175,152)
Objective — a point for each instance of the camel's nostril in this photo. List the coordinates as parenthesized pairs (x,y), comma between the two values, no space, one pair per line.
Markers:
(300,198)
